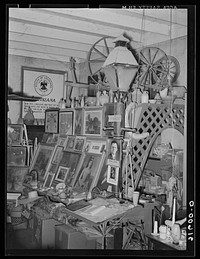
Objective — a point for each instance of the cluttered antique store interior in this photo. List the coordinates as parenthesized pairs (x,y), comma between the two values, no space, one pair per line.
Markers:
(96,129)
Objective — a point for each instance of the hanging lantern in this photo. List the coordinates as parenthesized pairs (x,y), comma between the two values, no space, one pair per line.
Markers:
(120,66)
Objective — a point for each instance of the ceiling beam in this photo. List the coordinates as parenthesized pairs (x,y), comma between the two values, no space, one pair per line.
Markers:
(40,55)
(119,20)
(54,33)
(47,41)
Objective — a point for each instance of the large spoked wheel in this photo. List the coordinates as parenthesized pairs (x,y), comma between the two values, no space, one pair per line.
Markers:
(97,56)
(156,68)
(152,69)
(173,68)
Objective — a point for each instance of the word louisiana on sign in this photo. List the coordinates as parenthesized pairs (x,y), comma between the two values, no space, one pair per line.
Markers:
(44,83)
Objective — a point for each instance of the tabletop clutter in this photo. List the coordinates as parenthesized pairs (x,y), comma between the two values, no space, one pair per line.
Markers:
(56,202)
(171,231)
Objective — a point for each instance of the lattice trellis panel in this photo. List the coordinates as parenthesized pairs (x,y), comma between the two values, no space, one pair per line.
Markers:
(152,118)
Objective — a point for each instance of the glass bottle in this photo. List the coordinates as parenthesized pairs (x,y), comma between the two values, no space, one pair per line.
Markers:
(145,97)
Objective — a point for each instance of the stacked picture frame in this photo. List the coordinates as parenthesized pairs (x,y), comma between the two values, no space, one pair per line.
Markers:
(18,156)
(75,149)
(87,121)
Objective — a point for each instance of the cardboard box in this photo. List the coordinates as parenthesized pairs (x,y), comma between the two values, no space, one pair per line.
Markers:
(44,231)
(67,237)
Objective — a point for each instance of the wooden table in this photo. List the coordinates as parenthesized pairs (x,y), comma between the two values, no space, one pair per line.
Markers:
(106,225)
(156,243)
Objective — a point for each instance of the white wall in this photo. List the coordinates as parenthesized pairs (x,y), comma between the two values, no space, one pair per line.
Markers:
(15,64)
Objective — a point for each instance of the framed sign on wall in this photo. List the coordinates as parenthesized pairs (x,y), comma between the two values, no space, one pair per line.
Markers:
(45,83)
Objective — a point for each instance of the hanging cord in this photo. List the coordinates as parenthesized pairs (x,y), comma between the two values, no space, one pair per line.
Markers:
(141,40)
(170,86)
(137,80)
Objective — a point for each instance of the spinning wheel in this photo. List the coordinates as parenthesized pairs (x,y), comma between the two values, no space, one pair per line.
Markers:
(97,56)
(156,67)
(173,68)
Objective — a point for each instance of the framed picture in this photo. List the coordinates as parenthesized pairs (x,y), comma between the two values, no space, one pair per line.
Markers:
(45,83)
(15,134)
(70,160)
(108,110)
(78,121)
(101,181)
(62,141)
(45,137)
(113,175)
(15,178)
(52,168)
(87,173)
(48,181)
(95,146)
(51,121)
(41,159)
(16,155)
(66,122)
(79,143)
(70,143)
(114,151)
(92,124)
(55,138)
(62,173)
(57,154)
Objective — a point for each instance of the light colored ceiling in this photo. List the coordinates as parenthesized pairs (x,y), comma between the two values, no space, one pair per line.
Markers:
(61,33)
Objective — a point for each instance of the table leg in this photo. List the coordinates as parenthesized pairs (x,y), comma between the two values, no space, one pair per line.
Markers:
(150,244)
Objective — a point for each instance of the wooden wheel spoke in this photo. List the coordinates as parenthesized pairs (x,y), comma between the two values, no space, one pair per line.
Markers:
(154,56)
(96,61)
(160,70)
(143,76)
(158,61)
(100,53)
(150,56)
(172,72)
(144,57)
(98,70)
(106,45)
(172,67)
(154,73)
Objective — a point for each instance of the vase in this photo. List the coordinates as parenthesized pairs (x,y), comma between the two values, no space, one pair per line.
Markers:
(29,117)
(176,233)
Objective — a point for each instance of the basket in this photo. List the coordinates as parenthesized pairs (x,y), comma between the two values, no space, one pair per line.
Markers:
(18,220)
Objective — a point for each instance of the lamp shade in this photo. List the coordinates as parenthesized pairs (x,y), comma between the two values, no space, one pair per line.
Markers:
(120,67)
